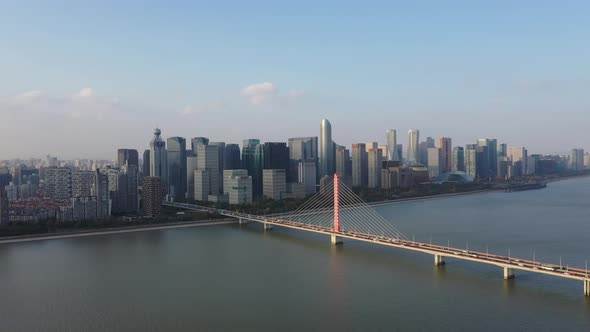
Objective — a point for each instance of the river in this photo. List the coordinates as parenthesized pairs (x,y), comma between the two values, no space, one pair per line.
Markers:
(240,278)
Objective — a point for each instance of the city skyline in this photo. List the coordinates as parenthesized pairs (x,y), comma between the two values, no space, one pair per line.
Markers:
(430,66)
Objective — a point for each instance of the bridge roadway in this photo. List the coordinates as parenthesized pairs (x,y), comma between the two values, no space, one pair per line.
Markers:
(509,264)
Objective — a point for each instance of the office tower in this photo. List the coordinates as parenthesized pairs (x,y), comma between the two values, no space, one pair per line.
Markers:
(146,163)
(239,188)
(301,148)
(83,183)
(231,157)
(435,162)
(327,154)
(229,173)
(423,150)
(202,184)
(101,192)
(413,146)
(531,163)
(307,174)
(503,164)
(503,150)
(274,183)
(117,189)
(446,154)
(400,151)
(127,157)
(58,183)
(518,154)
(360,175)
(4,217)
(483,162)
(587,160)
(176,167)
(374,162)
(198,141)
(208,160)
(342,158)
(371,145)
(152,196)
(191,166)
(132,188)
(253,160)
(276,156)
(158,158)
(471,160)
(221,147)
(491,145)
(391,135)
(577,159)
(458,159)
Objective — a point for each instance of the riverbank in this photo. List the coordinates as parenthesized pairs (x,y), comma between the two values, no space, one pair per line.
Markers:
(431,197)
(114,230)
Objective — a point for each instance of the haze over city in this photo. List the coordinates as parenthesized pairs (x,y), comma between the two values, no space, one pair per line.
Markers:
(84,79)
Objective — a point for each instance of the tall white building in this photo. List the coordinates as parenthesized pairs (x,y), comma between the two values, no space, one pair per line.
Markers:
(435,162)
(239,188)
(413,146)
(391,135)
(577,159)
(158,157)
(230,173)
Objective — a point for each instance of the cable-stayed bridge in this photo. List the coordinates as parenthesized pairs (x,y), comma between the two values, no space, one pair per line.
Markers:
(338,212)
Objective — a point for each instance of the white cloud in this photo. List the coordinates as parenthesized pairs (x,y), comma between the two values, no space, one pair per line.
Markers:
(86,93)
(259,93)
(30,96)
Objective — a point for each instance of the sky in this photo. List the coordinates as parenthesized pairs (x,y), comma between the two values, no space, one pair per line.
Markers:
(79,79)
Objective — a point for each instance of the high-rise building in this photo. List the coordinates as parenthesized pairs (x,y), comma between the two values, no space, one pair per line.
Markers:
(471,160)
(274,184)
(158,158)
(202,184)
(208,159)
(198,141)
(228,174)
(253,160)
(307,174)
(483,161)
(518,154)
(58,183)
(152,196)
(435,162)
(446,154)
(587,160)
(4,217)
(132,190)
(502,150)
(127,157)
(374,162)
(176,167)
(221,147)
(191,166)
(326,150)
(491,169)
(458,159)
(360,174)
(101,192)
(276,156)
(413,146)
(146,163)
(577,159)
(239,188)
(83,183)
(231,157)
(302,148)
(342,158)
(391,135)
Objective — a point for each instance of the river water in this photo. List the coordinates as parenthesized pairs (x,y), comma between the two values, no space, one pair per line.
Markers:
(239,278)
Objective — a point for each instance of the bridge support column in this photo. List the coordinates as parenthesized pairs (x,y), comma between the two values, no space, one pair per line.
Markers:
(586,287)
(267,227)
(439,260)
(242,221)
(508,273)
(336,239)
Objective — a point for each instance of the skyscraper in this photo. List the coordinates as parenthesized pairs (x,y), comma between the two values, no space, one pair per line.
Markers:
(327,153)
(458,159)
(127,156)
(446,154)
(483,161)
(360,175)
(198,141)
(58,183)
(152,196)
(158,158)
(221,147)
(342,158)
(276,155)
(191,166)
(253,160)
(503,150)
(176,167)
(492,158)
(231,157)
(518,154)
(275,184)
(208,160)
(413,141)
(146,163)
(471,160)
(391,135)
(374,162)
(577,159)
(435,162)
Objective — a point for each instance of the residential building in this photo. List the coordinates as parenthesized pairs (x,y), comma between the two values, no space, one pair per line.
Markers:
(577,159)
(58,183)
(446,154)
(471,160)
(152,196)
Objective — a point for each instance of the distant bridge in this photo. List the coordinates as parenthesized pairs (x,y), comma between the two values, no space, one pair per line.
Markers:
(338,212)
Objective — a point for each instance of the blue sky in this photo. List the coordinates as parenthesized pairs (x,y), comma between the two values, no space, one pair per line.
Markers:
(107,72)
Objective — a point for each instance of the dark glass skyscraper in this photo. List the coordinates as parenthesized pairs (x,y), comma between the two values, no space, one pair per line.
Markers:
(492,158)
(127,157)
(177,167)
(276,156)
(253,160)
(198,141)
(146,163)
(231,157)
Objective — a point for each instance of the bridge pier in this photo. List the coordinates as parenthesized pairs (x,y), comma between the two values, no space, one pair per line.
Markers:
(439,260)
(336,239)
(242,221)
(267,227)
(586,287)
(508,273)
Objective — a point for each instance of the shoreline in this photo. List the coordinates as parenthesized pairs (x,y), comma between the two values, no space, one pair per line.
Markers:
(113,230)
(431,197)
